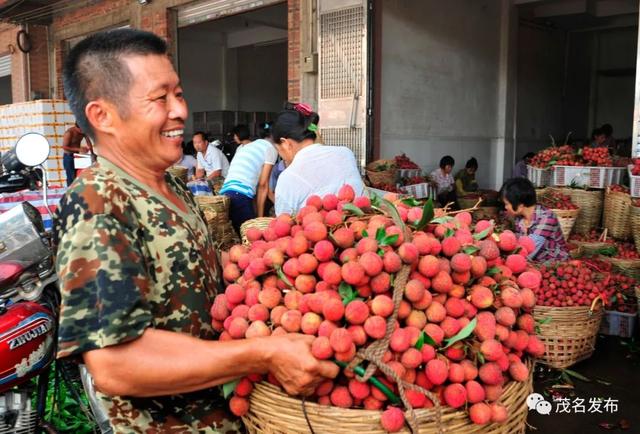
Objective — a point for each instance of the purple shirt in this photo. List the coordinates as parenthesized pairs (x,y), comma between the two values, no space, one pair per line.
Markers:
(546,233)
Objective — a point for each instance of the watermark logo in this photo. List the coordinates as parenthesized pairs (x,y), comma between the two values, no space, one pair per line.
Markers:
(536,402)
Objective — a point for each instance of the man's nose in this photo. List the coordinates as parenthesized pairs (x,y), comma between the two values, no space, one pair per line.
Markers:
(178,109)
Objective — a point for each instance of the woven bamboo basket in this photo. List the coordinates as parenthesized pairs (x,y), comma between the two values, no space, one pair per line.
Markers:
(567,219)
(179,172)
(628,267)
(590,203)
(261,223)
(634,219)
(617,212)
(570,334)
(387,177)
(274,412)
(225,236)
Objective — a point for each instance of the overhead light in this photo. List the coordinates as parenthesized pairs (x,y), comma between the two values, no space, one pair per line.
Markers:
(144,2)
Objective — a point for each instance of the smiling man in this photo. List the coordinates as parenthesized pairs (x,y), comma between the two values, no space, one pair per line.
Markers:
(137,267)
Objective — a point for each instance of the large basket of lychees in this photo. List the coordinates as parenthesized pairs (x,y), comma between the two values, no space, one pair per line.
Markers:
(428,315)
(590,203)
(382,172)
(253,229)
(561,205)
(568,312)
(617,211)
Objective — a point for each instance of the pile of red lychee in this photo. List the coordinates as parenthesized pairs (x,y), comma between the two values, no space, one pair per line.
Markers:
(329,272)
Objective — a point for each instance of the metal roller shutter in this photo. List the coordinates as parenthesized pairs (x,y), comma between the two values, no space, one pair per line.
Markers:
(5,65)
(207,10)
(342,87)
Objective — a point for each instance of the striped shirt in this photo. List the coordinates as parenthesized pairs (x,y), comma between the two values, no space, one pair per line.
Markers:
(545,231)
(443,180)
(246,166)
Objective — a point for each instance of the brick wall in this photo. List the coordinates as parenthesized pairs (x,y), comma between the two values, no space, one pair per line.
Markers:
(8,45)
(155,17)
(294,77)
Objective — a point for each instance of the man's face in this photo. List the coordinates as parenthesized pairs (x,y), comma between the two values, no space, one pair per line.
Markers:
(509,207)
(448,168)
(236,139)
(199,143)
(154,127)
(600,138)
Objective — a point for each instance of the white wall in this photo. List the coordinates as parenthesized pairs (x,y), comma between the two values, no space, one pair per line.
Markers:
(440,83)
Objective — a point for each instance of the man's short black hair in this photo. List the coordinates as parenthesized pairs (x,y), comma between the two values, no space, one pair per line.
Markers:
(528,156)
(472,163)
(242,131)
(94,69)
(519,191)
(607,130)
(447,160)
(201,133)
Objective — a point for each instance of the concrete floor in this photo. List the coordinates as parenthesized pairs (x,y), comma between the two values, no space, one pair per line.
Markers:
(613,363)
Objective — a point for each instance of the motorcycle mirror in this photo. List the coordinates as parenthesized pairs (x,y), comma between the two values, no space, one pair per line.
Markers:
(32,149)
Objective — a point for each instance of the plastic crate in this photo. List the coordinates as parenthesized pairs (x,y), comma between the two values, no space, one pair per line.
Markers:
(420,191)
(409,173)
(634,182)
(616,323)
(380,193)
(584,176)
(539,177)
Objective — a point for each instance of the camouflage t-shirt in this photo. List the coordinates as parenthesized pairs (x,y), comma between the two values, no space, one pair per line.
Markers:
(128,259)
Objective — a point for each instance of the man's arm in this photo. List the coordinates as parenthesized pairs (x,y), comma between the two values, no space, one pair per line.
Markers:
(215,174)
(263,188)
(166,363)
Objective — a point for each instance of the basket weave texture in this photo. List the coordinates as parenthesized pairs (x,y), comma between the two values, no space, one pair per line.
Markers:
(617,212)
(260,223)
(216,214)
(179,172)
(590,203)
(273,412)
(567,219)
(634,220)
(569,335)
(387,177)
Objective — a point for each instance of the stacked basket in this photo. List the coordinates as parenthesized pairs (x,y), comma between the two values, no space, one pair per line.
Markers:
(216,213)
(259,223)
(382,172)
(566,217)
(634,219)
(590,204)
(274,412)
(569,333)
(179,172)
(617,212)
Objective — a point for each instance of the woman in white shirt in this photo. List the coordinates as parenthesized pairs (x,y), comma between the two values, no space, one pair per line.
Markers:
(312,168)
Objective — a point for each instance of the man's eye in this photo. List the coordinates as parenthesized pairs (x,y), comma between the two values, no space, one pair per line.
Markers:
(162,98)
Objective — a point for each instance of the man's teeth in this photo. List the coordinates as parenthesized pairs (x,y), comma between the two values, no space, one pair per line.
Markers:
(174,133)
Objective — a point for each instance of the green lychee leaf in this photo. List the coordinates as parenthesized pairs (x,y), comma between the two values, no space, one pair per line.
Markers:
(449,233)
(411,201)
(544,320)
(481,358)
(391,209)
(441,220)
(380,234)
(482,235)
(352,209)
(420,343)
(283,277)
(517,250)
(365,234)
(464,333)
(470,250)
(389,240)
(427,214)
(493,271)
(229,388)
(347,293)
(375,200)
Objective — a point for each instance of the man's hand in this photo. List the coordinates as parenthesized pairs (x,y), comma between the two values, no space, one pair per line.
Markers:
(294,366)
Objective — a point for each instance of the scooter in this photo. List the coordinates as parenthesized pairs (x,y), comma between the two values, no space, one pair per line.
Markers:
(29,300)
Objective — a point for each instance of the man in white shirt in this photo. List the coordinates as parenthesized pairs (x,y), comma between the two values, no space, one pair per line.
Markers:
(212,163)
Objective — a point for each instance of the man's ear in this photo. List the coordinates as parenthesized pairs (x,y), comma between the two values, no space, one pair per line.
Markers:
(102,116)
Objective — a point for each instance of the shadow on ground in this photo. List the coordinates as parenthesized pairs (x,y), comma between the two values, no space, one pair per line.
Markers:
(613,362)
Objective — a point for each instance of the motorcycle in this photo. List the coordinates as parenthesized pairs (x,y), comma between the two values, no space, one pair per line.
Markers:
(29,301)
